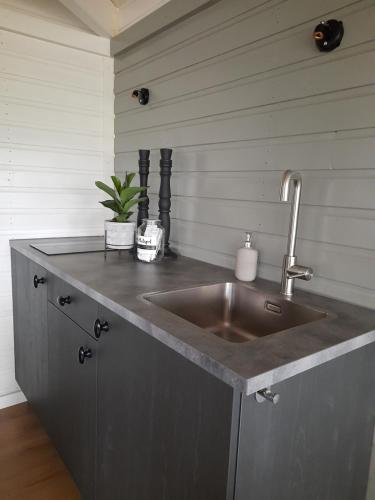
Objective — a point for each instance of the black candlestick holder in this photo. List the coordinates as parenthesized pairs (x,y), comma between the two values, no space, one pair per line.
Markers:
(144,168)
(165,197)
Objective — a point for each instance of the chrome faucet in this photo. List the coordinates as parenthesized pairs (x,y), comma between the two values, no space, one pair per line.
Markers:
(291,270)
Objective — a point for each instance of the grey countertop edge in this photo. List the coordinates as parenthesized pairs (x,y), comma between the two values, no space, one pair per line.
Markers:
(238,382)
(267,379)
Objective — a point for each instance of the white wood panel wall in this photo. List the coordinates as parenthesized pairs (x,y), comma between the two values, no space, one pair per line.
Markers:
(56,139)
(241,93)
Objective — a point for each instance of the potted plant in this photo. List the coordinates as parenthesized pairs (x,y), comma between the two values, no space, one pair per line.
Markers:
(119,230)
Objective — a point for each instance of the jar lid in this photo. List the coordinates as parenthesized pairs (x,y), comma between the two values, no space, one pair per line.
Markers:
(151,221)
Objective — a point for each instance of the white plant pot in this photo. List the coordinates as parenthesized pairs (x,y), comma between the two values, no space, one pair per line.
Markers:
(120,235)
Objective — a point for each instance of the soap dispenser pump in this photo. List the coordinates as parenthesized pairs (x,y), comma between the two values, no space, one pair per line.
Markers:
(246,261)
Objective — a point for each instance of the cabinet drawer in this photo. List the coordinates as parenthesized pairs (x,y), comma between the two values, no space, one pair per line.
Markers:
(76,305)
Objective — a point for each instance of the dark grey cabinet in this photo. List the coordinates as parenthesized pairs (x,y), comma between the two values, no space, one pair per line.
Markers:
(134,420)
(72,371)
(29,282)
(315,444)
(164,424)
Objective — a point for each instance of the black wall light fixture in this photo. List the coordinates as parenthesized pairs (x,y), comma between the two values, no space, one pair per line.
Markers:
(328,35)
(143,95)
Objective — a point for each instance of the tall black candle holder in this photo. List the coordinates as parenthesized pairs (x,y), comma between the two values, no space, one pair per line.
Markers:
(144,168)
(165,197)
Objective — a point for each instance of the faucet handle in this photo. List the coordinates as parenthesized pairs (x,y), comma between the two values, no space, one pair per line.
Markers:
(267,395)
(300,272)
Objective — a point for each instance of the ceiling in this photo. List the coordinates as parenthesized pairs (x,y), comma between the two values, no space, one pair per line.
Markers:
(119,3)
(108,18)
(126,22)
(106,27)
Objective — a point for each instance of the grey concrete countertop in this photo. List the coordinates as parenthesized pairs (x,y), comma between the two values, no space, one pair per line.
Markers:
(119,282)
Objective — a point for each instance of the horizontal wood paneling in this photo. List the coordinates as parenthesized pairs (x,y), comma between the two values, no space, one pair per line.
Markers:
(330,261)
(330,151)
(241,94)
(270,19)
(345,112)
(274,89)
(259,64)
(14,87)
(323,188)
(56,139)
(243,216)
(50,53)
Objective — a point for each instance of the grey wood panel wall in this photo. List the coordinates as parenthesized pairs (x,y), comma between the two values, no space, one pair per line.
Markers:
(240,93)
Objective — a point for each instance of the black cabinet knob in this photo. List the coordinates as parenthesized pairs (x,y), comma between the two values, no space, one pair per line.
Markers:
(99,327)
(83,353)
(63,300)
(38,281)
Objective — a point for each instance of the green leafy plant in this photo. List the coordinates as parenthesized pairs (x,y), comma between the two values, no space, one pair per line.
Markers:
(122,196)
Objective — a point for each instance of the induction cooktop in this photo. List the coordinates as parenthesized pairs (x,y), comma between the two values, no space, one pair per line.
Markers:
(71,245)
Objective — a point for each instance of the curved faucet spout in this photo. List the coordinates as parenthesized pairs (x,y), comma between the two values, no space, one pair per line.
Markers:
(291,270)
(289,177)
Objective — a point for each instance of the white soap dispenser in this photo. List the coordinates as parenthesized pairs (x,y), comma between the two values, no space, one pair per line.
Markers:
(246,261)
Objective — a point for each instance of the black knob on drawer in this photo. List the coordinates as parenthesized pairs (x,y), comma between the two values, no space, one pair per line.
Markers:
(83,353)
(38,281)
(99,327)
(63,300)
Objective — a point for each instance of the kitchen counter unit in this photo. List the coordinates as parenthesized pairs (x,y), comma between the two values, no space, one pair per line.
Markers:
(144,405)
(119,283)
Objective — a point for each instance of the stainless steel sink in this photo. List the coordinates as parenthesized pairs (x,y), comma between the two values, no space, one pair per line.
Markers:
(235,312)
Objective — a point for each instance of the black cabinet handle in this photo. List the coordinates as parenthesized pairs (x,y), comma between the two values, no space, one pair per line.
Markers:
(83,353)
(38,281)
(99,327)
(63,300)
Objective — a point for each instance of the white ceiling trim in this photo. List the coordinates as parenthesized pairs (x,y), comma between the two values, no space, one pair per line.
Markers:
(132,20)
(23,23)
(141,18)
(99,15)
(133,11)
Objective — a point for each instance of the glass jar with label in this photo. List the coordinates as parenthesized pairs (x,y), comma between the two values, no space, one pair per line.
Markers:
(150,241)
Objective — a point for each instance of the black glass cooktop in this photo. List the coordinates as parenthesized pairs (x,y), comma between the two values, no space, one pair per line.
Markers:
(71,245)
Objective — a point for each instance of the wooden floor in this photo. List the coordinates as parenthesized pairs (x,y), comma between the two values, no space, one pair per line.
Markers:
(30,468)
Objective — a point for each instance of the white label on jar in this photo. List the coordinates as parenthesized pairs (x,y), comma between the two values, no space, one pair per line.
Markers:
(148,245)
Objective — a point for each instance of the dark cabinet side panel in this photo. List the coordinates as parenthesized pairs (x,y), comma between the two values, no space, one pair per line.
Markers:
(316,443)
(30,331)
(164,423)
(72,399)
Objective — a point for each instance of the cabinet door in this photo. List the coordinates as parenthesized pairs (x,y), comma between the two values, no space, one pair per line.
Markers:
(30,330)
(164,424)
(72,398)
(316,442)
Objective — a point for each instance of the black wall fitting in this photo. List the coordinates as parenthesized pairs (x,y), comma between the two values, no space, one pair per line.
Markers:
(143,95)
(165,196)
(328,35)
(144,168)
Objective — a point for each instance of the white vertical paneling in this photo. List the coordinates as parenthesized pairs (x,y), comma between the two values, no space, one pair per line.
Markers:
(56,139)
(241,93)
